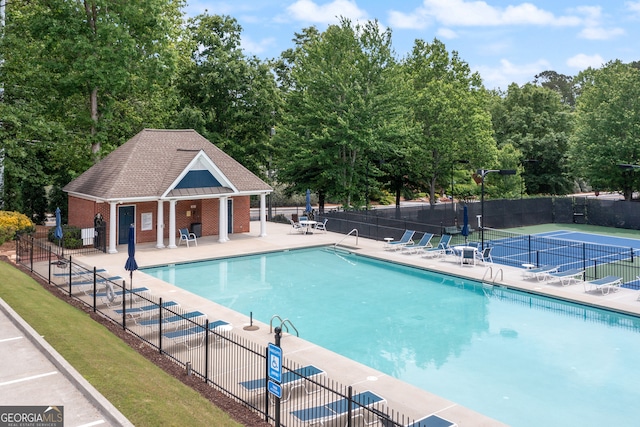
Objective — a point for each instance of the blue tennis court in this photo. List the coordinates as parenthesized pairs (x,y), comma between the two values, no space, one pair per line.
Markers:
(596,254)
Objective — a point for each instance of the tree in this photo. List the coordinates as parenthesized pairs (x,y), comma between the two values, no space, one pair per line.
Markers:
(343,111)
(560,83)
(534,120)
(607,129)
(230,99)
(449,106)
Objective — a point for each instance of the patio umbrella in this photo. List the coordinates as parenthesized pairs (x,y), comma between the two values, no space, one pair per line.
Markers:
(131,265)
(465,224)
(58,231)
(308,201)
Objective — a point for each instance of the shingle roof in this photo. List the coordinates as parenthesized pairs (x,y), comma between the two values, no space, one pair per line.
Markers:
(150,162)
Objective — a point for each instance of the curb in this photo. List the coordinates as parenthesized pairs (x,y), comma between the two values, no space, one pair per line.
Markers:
(109,412)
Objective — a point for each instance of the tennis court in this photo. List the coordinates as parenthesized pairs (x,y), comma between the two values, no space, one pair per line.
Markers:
(598,255)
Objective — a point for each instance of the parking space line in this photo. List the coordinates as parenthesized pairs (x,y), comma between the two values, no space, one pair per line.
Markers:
(34,377)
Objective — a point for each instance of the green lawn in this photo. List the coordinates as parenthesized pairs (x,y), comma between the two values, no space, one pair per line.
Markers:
(143,392)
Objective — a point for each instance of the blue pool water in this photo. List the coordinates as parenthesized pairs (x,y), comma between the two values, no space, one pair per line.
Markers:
(521,359)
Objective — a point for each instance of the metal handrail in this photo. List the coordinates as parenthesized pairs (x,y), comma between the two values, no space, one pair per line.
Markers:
(283,324)
(348,234)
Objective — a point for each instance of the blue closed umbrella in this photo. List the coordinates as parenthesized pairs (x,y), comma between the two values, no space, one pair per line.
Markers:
(131,265)
(308,201)
(58,231)
(465,224)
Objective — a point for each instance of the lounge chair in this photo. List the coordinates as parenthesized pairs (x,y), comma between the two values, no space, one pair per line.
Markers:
(146,309)
(333,410)
(441,249)
(566,277)
(539,273)
(79,272)
(430,421)
(424,243)
(406,239)
(171,321)
(605,284)
(186,236)
(111,297)
(290,380)
(193,337)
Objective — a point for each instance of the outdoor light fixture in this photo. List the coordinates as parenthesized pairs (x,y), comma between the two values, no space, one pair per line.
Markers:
(482,173)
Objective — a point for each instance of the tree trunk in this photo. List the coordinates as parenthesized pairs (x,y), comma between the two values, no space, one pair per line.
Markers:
(95,145)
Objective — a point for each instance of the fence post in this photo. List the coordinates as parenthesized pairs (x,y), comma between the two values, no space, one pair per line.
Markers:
(70,277)
(31,254)
(206,351)
(349,400)
(160,329)
(49,278)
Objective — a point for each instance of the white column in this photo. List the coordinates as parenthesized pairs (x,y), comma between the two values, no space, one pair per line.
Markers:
(263,215)
(172,224)
(222,221)
(160,226)
(112,228)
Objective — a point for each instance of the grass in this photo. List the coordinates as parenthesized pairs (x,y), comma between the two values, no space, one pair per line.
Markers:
(143,392)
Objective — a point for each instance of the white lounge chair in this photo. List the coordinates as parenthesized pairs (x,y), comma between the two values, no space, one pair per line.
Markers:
(605,284)
(484,256)
(424,243)
(194,337)
(406,239)
(172,321)
(566,277)
(441,249)
(186,236)
(539,273)
(332,411)
(290,380)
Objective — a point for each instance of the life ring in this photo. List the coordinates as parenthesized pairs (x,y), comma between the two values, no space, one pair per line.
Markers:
(111,295)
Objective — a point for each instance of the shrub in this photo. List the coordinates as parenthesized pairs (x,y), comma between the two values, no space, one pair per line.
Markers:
(72,237)
(12,223)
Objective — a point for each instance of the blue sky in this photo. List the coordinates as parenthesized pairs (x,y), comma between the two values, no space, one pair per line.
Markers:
(504,40)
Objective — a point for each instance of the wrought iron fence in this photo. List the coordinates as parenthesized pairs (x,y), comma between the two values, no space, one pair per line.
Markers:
(206,348)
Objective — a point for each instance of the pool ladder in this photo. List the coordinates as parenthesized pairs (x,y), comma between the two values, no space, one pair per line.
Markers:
(348,234)
(284,324)
(490,271)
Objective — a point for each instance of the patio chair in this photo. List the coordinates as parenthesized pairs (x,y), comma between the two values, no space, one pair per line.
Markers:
(331,411)
(194,337)
(424,243)
(406,239)
(290,381)
(566,277)
(605,284)
(484,256)
(111,297)
(186,236)
(296,227)
(322,226)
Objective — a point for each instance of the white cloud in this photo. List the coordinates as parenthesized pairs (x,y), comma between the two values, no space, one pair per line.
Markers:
(447,33)
(582,61)
(479,13)
(256,48)
(633,7)
(599,33)
(309,11)
(406,21)
(507,73)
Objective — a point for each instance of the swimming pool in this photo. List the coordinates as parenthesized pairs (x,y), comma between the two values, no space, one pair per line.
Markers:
(521,359)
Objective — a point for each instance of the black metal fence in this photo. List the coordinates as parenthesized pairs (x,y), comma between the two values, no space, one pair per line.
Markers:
(208,349)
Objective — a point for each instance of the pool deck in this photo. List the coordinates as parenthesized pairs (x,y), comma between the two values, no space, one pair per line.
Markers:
(402,397)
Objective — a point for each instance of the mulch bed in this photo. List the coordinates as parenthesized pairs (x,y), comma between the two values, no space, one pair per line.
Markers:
(236,410)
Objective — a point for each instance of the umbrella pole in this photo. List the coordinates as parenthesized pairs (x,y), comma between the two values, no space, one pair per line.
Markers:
(131,289)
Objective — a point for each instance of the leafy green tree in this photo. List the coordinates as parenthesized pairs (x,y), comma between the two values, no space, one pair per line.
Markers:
(344,111)
(607,131)
(534,120)
(230,99)
(560,83)
(449,105)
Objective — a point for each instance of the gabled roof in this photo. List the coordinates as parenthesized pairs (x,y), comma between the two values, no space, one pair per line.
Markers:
(152,163)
